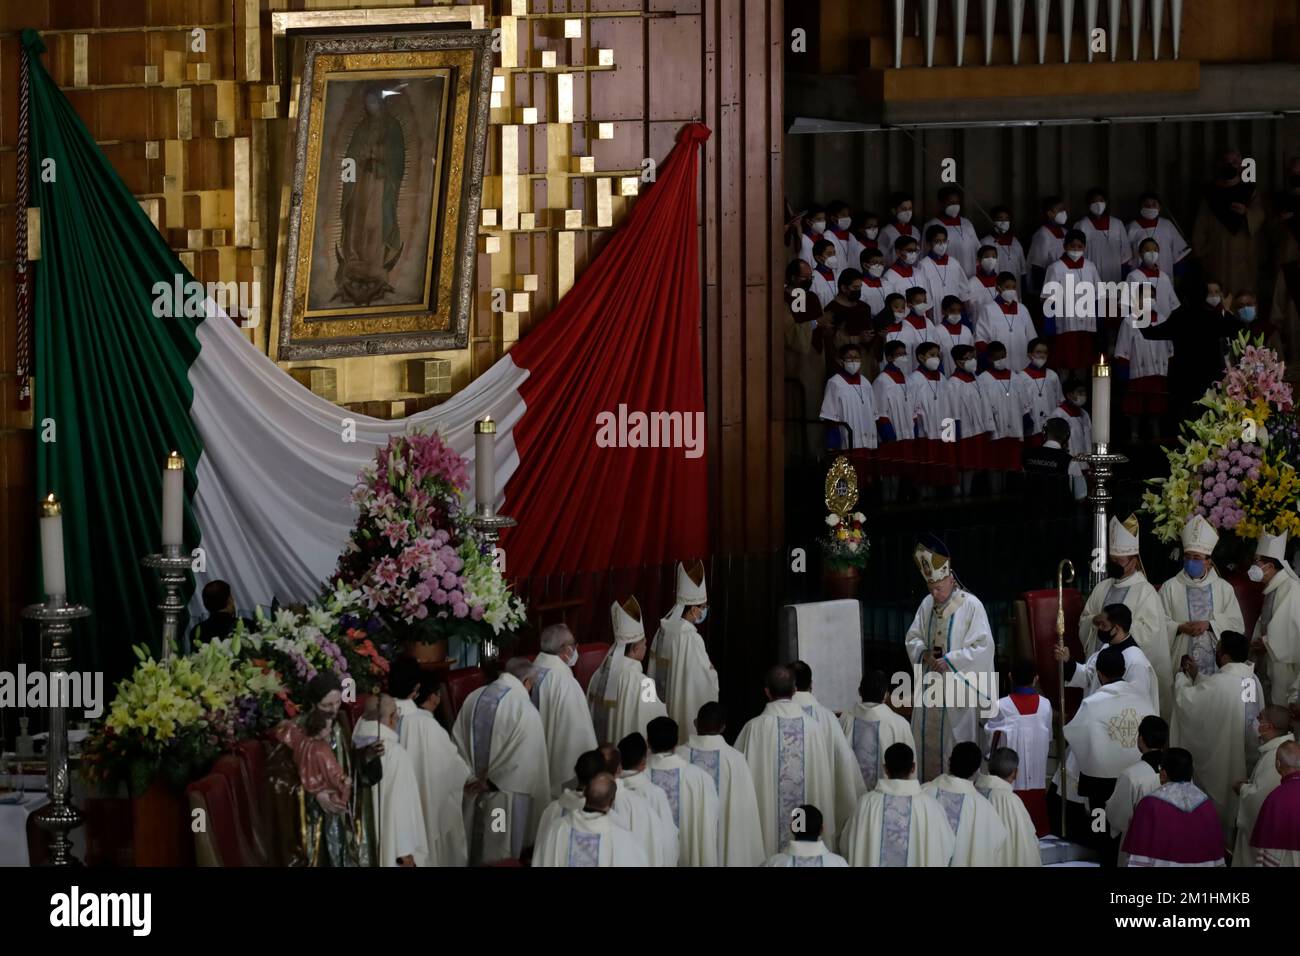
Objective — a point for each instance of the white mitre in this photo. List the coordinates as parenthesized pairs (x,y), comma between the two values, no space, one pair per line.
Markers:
(1198,535)
(1123,536)
(628,629)
(934,567)
(1272,546)
(690,584)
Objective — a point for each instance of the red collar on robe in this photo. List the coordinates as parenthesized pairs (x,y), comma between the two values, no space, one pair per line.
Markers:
(824,271)
(902,230)
(1025,702)
(1054,229)
(843,235)
(893,327)
(1070,410)
(952,328)
(1073,264)
(897,377)
(1004,238)
(987,281)
(1001,376)
(1151,272)
(939,260)
(855,379)
(1147,223)
(950,222)
(917,323)
(962,375)
(899,266)
(1008,308)
(1035,372)
(1100,223)
(932,376)
(873,283)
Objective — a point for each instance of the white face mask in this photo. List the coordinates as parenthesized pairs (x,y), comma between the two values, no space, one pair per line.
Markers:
(1150,258)
(819,226)
(968,366)
(1074,254)
(1150,212)
(951,210)
(988,265)
(1000,364)
(1080,401)
(844,221)
(876,271)
(904,216)
(1097,208)
(909,258)
(1255,573)
(953,318)
(1002,225)
(1213,299)
(920,310)
(932,363)
(1008,295)
(871,231)
(1061,217)
(830,262)
(1037,362)
(940,248)
(572,659)
(852,367)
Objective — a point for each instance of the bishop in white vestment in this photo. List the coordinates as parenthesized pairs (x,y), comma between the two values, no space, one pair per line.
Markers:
(898,824)
(872,727)
(740,838)
(684,677)
(588,837)
(977,826)
(1277,632)
(622,699)
(848,776)
(1199,605)
(1274,731)
(997,787)
(806,847)
(692,796)
(399,824)
(558,696)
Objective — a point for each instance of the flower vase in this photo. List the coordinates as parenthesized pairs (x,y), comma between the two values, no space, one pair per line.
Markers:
(839,584)
(426,653)
(160,827)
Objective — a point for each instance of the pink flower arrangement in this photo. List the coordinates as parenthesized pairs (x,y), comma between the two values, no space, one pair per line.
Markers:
(1258,375)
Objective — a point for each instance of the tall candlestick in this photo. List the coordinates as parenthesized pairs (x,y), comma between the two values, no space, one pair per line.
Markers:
(173,501)
(485,464)
(52,546)
(1101,403)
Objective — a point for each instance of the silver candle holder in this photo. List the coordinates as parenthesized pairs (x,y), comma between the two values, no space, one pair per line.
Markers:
(489,524)
(59,817)
(1101,468)
(172,566)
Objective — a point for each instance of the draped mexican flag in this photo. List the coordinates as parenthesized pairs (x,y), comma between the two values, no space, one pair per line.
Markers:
(584,406)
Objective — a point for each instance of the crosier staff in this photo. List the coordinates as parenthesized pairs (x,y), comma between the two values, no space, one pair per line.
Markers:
(1066,567)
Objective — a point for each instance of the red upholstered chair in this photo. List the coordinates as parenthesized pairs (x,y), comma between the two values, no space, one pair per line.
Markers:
(219,844)
(356,708)
(1251,598)
(251,848)
(1041,609)
(462,682)
(589,658)
(252,754)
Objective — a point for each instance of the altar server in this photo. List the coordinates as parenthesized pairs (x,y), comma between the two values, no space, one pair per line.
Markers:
(679,662)
(499,734)
(903,324)
(998,787)
(900,225)
(1199,605)
(977,826)
(740,837)
(1277,631)
(692,795)
(560,700)
(1074,413)
(896,420)
(973,417)
(1138,780)
(905,270)
(1108,245)
(398,822)
(872,727)
(1004,402)
(806,847)
(982,286)
(963,240)
(850,403)
(1006,320)
(897,823)
(826,272)
(950,333)
(814,230)
(839,224)
(788,762)
(1071,304)
(1276,837)
(1274,731)
(1175,825)
(1152,224)
(1040,387)
(1146,360)
(1024,724)
(848,778)
(927,395)
(873,287)
(621,697)
(949,637)
(588,837)
(1011,254)
(1048,243)
(942,274)
(1113,626)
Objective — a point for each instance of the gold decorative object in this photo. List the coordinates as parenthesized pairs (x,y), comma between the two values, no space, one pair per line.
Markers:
(509,43)
(604,203)
(428,376)
(564,97)
(321,379)
(491,245)
(584,164)
(527,283)
(841,487)
(519,301)
(549,60)
(80,59)
(509,327)
(604,131)
(528,115)
(573,219)
(572,29)
(149,75)
(489,218)
(528,220)
(510,177)
(33,233)
(629,185)
(565,255)
(604,57)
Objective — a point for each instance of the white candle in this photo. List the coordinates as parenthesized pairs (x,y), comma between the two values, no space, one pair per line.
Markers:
(52,546)
(485,462)
(1101,403)
(173,501)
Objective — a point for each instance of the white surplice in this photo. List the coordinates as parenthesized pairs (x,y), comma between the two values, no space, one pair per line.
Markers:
(583,838)
(499,734)
(871,729)
(897,824)
(806,853)
(1138,672)
(790,766)
(693,799)
(1029,735)
(1279,627)
(1149,628)
(977,826)
(679,662)
(566,718)
(440,775)
(1208,599)
(848,776)
(740,838)
(1131,786)
(1103,734)
(1021,847)
(398,821)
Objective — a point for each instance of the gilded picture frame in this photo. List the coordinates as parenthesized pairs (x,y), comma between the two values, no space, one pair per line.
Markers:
(381,246)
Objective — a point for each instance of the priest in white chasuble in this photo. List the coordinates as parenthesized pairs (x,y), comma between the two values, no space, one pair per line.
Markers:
(499,733)
(1199,605)
(872,727)
(950,644)
(440,771)
(1129,586)
(1216,719)
(848,776)
(684,677)
(589,837)
(1274,731)
(740,838)
(998,788)
(692,795)
(638,806)
(622,699)
(977,826)
(898,824)
(1277,632)
(566,719)
(399,824)
(634,754)
(806,846)
(788,762)
(574,799)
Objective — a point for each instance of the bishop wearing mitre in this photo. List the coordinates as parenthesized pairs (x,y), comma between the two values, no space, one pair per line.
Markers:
(1199,605)
(1128,585)
(685,679)
(1277,632)
(950,645)
(622,699)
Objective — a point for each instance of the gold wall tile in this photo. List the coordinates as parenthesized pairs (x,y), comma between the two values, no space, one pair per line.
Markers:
(80,59)
(604,57)
(573,219)
(604,202)
(563,98)
(629,185)
(565,253)
(584,164)
(510,177)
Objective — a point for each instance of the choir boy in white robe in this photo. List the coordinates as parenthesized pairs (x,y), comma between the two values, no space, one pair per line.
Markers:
(589,837)
(942,274)
(1024,724)
(396,804)
(898,823)
(1175,825)
(1071,305)
(950,333)
(1113,624)
(692,795)
(1150,224)
(1276,638)
(1048,243)
(1216,718)
(826,272)
(1199,605)
(1128,585)
(900,225)
(621,697)
(896,420)
(740,838)
(867,230)
(850,403)
(1276,837)
(998,788)
(679,664)
(499,734)
(788,762)
(1074,413)
(1137,781)
(560,700)
(641,805)
(1006,320)
(814,230)
(982,286)
(905,271)
(848,778)
(973,417)
(1274,731)
(907,326)
(872,727)
(963,240)
(806,847)
(1011,254)
(1040,386)
(1146,395)
(440,771)
(977,826)
(1108,245)
(1005,404)
(927,394)
(949,637)
(873,286)
(839,225)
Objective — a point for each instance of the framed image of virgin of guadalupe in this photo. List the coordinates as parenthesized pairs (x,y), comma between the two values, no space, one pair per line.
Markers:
(386,194)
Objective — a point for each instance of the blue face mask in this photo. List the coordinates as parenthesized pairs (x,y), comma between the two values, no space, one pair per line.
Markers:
(1247,313)
(704,612)
(1194,567)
